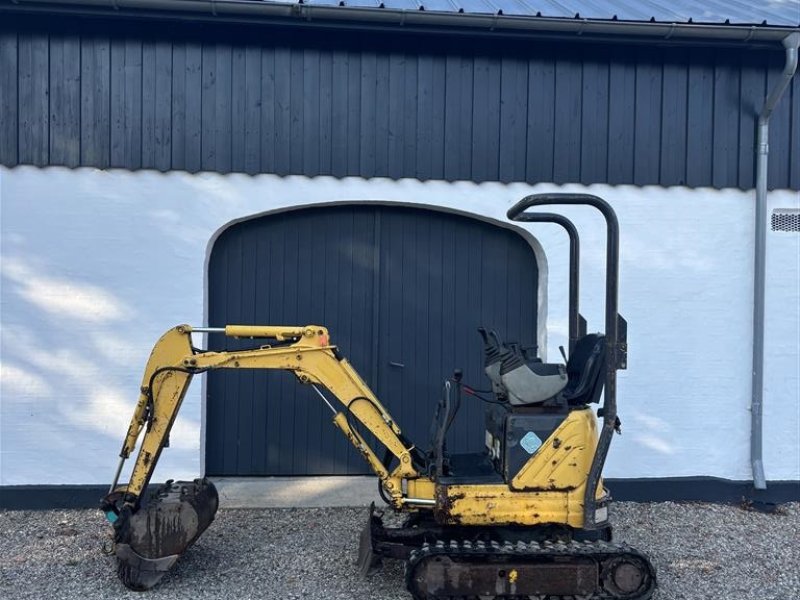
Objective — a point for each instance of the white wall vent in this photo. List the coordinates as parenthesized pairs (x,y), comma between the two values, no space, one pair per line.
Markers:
(786,219)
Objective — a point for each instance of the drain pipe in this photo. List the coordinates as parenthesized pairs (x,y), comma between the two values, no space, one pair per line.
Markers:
(791,44)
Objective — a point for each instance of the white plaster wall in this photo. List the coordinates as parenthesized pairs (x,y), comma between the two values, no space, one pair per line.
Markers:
(96,265)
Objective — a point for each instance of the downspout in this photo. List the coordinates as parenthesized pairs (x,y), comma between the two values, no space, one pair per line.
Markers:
(791,43)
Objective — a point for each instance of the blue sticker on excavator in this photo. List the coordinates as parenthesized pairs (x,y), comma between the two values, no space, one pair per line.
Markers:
(530,442)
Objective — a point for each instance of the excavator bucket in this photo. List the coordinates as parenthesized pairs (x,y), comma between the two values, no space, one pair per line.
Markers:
(149,541)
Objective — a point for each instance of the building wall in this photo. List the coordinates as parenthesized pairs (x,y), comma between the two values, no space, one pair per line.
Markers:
(95,265)
(260,100)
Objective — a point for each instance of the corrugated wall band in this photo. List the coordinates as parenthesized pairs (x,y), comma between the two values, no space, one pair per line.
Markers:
(567,114)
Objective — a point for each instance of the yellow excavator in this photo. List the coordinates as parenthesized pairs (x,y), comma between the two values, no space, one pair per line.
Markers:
(526,519)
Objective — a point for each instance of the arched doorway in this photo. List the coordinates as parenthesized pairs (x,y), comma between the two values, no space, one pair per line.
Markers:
(402,291)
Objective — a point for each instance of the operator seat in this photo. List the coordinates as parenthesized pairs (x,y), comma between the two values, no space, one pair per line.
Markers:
(585,370)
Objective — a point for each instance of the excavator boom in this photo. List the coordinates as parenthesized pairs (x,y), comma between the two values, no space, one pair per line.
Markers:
(150,534)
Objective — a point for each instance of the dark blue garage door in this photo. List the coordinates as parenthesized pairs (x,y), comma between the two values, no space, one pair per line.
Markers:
(402,291)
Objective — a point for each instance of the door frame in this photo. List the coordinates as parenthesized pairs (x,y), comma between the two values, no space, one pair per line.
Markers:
(538,251)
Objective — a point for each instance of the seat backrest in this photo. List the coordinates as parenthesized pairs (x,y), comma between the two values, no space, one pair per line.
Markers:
(585,370)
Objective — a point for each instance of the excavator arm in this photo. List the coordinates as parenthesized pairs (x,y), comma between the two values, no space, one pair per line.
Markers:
(304,351)
(150,535)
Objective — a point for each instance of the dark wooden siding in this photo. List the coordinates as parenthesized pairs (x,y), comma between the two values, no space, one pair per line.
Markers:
(402,291)
(342,105)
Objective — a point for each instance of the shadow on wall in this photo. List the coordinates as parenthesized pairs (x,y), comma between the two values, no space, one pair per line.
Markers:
(68,393)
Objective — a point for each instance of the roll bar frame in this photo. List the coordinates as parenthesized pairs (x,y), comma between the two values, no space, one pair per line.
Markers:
(577,324)
(615,328)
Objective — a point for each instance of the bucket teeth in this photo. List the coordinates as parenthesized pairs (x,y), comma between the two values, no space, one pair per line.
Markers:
(149,541)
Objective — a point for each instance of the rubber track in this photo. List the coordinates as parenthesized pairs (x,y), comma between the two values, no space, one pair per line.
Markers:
(600,551)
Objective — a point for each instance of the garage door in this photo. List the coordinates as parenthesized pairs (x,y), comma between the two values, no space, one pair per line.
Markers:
(402,291)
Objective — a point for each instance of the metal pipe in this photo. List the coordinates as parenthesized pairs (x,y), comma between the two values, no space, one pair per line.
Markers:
(208,330)
(421,501)
(117,474)
(244,11)
(790,43)
(324,399)
(612,321)
(574,263)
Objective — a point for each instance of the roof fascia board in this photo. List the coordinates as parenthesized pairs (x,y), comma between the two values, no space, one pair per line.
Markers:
(237,11)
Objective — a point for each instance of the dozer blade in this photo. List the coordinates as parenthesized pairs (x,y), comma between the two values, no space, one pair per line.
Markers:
(149,541)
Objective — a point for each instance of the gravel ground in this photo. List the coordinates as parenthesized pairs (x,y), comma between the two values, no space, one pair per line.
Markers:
(700,551)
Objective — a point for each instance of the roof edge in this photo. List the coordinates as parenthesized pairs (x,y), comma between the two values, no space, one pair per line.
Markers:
(244,11)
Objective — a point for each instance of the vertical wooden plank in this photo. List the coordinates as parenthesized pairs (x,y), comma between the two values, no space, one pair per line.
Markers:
(458,118)
(163,106)
(622,82)
(252,110)
(339,141)
(296,111)
(310,100)
(452,79)
(726,121)
(277,412)
(264,445)
(752,94)
(382,157)
(268,110)
(325,112)
(567,148)
(354,109)
(239,98)
(222,97)
(438,111)
(283,119)
(117,98)
(208,157)
(236,288)
(396,113)
(215,391)
(647,122)
(465,117)
(132,129)
(194,114)
(486,119)
(9,122)
(34,99)
(594,122)
(513,119)
(65,93)
(247,438)
(425,124)
(366,101)
(308,253)
(178,108)
(673,120)
(541,120)
(126,104)
(95,101)
(157,105)
(409,102)
(148,104)
(699,140)
(291,278)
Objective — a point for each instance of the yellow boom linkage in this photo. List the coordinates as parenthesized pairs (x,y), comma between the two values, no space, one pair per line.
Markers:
(309,356)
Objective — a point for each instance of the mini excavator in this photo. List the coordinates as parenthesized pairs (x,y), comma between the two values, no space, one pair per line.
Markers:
(526,519)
